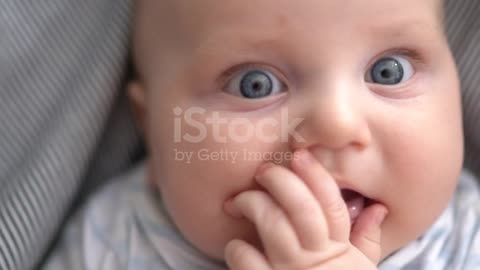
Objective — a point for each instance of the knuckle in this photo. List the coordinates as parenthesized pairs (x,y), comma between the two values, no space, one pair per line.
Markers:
(336,209)
(307,206)
(272,219)
(304,208)
(371,241)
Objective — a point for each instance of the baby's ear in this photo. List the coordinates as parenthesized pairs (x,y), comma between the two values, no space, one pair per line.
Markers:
(136,94)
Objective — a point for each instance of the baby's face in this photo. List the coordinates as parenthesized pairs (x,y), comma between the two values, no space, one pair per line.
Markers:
(369,87)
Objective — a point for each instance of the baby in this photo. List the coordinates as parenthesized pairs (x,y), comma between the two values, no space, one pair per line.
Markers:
(293,135)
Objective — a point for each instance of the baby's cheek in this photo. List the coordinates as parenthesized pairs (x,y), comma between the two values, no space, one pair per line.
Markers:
(195,195)
(422,178)
(199,175)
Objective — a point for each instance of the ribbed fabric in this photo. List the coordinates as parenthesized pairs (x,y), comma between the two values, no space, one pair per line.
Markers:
(61,68)
(463,17)
(63,126)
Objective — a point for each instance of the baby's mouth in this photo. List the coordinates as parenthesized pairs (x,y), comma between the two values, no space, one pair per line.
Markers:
(355,202)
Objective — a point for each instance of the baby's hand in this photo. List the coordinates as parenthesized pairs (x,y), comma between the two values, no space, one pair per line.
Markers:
(303,223)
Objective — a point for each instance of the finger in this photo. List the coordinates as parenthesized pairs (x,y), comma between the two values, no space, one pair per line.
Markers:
(275,230)
(366,232)
(327,193)
(301,207)
(239,255)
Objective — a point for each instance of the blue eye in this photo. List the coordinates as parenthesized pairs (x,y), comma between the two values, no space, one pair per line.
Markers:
(255,84)
(390,70)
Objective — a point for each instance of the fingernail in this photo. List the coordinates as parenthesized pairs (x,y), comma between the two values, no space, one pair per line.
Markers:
(381,217)
(262,168)
(230,208)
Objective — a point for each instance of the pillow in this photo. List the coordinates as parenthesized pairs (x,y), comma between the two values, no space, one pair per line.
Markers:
(62,65)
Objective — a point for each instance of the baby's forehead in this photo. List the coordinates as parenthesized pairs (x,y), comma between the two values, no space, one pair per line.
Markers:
(176,24)
(177,13)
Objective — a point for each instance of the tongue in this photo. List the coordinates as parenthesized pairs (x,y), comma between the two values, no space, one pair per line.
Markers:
(355,204)
(355,207)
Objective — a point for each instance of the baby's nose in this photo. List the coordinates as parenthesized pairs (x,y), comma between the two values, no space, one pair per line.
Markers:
(335,119)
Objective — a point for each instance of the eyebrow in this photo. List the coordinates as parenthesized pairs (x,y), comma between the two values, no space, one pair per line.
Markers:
(403,28)
(235,44)
(394,30)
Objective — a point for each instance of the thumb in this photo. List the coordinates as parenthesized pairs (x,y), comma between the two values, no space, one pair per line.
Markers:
(366,232)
